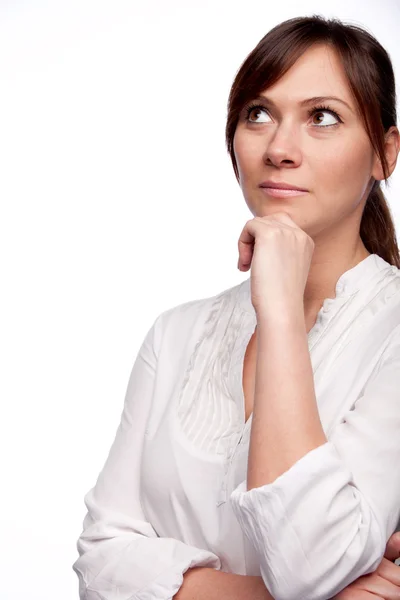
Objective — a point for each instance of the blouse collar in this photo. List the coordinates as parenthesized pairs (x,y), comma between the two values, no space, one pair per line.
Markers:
(350,282)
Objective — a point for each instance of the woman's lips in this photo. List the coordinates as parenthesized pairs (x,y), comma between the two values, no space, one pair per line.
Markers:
(280,193)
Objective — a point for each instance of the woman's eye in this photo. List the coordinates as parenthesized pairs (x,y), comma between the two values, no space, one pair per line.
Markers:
(254,109)
(312,113)
(328,112)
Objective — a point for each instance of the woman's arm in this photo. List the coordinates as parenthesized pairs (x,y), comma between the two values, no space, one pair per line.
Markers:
(286,424)
(208,584)
(120,553)
(331,512)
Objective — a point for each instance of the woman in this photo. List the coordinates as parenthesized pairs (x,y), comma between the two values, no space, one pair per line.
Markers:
(257,453)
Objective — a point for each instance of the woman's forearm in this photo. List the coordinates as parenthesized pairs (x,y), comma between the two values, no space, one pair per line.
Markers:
(203,583)
(286,423)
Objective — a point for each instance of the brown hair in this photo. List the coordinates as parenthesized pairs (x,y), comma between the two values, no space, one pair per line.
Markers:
(370,75)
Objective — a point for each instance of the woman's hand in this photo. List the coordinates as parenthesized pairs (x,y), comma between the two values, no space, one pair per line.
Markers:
(280,254)
(382,584)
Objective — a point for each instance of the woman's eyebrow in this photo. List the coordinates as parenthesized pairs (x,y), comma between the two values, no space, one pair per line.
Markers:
(307,101)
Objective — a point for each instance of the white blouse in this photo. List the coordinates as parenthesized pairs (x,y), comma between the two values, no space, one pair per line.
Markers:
(172,493)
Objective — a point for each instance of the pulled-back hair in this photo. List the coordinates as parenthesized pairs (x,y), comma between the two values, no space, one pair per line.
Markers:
(370,76)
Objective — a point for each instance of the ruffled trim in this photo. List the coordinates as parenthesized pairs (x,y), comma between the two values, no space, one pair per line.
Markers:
(204,398)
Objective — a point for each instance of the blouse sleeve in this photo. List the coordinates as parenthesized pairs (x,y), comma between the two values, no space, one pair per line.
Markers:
(325,522)
(120,555)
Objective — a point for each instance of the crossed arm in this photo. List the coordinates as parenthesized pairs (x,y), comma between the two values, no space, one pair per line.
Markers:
(209,584)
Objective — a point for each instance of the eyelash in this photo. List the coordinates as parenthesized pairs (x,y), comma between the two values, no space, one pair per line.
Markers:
(313,110)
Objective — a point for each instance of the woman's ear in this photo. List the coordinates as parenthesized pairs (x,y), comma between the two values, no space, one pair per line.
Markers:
(392,148)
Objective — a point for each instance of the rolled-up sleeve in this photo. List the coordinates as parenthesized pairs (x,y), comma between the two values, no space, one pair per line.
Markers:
(120,555)
(326,520)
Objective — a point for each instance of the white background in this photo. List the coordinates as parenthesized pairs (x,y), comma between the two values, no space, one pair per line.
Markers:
(118,201)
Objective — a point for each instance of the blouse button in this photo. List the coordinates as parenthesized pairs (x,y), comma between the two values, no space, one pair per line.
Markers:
(326,308)
(340,288)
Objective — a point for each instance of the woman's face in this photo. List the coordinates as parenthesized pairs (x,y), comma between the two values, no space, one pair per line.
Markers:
(331,157)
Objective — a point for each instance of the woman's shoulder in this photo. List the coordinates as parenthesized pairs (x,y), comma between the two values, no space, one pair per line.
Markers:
(187,315)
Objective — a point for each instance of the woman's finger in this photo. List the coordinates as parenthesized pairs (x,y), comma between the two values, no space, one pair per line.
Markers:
(388,570)
(379,586)
(393,547)
(351,593)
